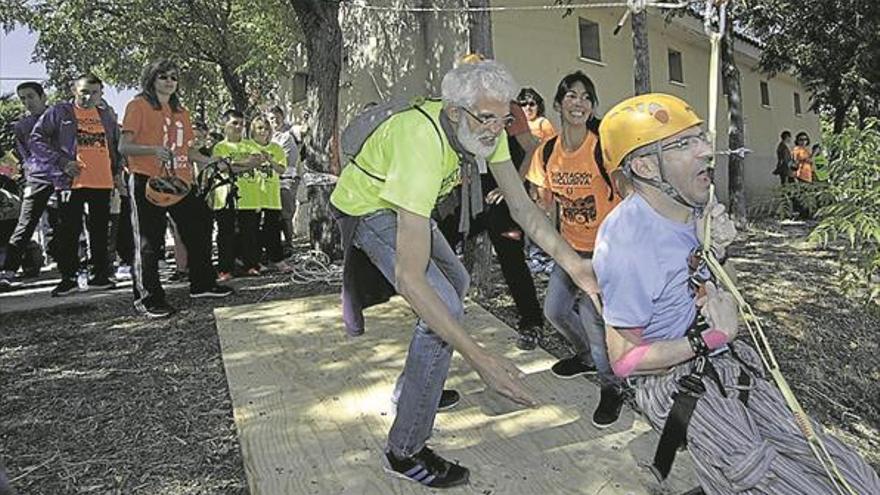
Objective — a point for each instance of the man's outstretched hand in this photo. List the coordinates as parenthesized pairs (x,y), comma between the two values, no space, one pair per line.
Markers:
(501,375)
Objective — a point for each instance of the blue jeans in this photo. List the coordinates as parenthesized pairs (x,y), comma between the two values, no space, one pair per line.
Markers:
(427,361)
(574,316)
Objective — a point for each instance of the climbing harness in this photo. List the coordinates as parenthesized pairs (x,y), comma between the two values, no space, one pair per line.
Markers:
(716,12)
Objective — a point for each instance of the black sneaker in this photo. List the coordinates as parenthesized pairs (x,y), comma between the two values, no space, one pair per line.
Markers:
(215,291)
(527,339)
(448,400)
(608,410)
(101,283)
(155,310)
(427,468)
(571,367)
(64,288)
(5,282)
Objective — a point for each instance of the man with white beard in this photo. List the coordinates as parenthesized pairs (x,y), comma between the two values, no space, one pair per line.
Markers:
(384,199)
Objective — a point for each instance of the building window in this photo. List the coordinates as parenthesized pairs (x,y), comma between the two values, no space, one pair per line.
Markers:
(797,103)
(765,94)
(676,74)
(589,34)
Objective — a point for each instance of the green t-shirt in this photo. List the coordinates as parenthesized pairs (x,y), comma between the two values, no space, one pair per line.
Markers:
(418,166)
(270,183)
(249,183)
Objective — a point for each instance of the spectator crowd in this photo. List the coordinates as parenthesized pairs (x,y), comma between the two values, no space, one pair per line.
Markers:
(102,197)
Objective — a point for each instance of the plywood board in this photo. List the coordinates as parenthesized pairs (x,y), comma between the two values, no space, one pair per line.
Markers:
(312,407)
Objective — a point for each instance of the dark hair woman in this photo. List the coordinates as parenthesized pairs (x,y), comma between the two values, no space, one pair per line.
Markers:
(570,168)
(533,106)
(156,138)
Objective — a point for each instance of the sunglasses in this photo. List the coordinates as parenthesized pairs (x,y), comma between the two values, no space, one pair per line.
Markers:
(166,77)
(528,104)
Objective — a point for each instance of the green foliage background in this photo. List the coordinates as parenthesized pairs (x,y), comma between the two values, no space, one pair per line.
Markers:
(849,206)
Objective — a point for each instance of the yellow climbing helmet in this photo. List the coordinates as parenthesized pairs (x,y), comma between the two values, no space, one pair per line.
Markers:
(642,120)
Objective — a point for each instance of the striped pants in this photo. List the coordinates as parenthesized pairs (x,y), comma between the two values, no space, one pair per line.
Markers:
(750,449)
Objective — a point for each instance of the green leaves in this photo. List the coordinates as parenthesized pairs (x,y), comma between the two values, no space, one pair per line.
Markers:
(851,211)
(830,45)
(223,47)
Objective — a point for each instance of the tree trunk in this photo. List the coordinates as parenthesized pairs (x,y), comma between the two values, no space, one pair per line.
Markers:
(642,59)
(236,87)
(480,29)
(477,248)
(319,21)
(839,119)
(736,133)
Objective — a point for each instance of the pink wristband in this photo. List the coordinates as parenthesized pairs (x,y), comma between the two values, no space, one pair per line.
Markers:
(714,338)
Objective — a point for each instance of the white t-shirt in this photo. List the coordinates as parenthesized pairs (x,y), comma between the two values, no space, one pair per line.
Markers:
(285,138)
(641,262)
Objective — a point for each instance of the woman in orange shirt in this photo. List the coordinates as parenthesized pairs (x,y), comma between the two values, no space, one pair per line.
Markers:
(533,106)
(571,168)
(803,158)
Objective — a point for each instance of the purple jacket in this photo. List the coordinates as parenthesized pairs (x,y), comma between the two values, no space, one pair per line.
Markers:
(53,143)
(22,131)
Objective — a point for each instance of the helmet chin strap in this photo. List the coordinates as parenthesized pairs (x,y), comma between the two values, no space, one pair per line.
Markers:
(665,187)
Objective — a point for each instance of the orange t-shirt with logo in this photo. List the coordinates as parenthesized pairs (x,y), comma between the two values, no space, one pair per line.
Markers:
(152,127)
(578,187)
(804,160)
(92,154)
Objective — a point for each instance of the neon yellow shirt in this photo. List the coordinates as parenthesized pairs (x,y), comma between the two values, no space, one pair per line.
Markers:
(418,166)
(249,183)
(270,182)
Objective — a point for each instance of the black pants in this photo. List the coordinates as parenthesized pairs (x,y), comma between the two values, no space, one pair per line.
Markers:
(70,210)
(496,220)
(784,179)
(238,236)
(149,223)
(33,205)
(270,233)
(120,245)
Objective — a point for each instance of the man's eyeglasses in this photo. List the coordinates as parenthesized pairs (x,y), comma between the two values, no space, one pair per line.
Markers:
(528,104)
(684,142)
(166,77)
(491,120)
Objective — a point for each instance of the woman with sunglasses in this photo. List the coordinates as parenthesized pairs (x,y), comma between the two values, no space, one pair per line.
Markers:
(570,168)
(533,106)
(157,135)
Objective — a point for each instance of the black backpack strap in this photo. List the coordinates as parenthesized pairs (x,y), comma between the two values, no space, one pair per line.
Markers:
(548,149)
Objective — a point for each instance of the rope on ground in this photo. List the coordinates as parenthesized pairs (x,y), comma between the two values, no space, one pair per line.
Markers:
(629,4)
(315,266)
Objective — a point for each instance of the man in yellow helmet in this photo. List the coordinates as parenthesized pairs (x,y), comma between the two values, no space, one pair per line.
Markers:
(673,330)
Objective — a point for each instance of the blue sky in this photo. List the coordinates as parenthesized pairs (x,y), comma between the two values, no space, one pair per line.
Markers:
(16,52)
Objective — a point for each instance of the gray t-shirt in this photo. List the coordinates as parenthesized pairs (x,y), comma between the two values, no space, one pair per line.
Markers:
(641,262)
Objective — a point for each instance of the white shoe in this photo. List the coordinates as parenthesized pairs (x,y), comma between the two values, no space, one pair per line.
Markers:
(123,272)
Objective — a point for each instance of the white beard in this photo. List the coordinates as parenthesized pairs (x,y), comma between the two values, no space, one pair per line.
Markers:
(471,140)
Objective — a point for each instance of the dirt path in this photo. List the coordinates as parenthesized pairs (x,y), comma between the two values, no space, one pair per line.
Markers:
(97,400)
